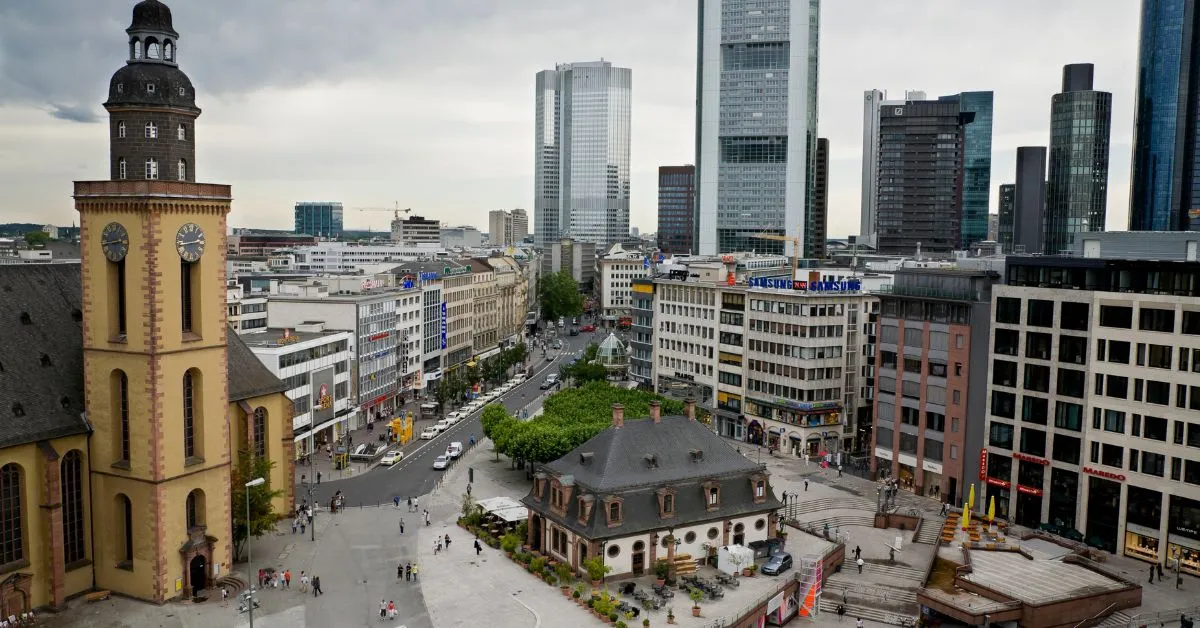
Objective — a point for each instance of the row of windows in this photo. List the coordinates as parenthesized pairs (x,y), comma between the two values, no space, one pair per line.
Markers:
(13,537)
(151,130)
(793,351)
(152,170)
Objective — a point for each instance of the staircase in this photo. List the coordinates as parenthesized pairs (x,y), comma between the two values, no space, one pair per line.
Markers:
(828,503)
(233,583)
(684,564)
(1119,619)
(839,521)
(838,585)
(930,530)
(854,611)
(898,571)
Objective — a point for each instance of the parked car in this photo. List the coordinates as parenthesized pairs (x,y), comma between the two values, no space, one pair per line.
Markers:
(428,433)
(588,327)
(574,331)
(442,425)
(441,462)
(391,458)
(777,564)
(454,450)
(453,418)
(550,382)
(557,344)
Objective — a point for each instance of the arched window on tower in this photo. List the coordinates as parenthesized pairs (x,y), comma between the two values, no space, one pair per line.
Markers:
(181,133)
(12,524)
(183,170)
(72,506)
(135,49)
(260,432)
(151,49)
(195,508)
(151,168)
(151,130)
(123,527)
(193,433)
(168,50)
(120,167)
(121,130)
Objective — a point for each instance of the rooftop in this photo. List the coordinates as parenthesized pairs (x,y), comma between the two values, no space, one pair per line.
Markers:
(273,338)
(1036,582)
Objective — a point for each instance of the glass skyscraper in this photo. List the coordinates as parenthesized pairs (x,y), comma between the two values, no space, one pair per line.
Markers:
(581,153)
(756,124)
(322,219)
(1077,182)
(1165,182)
(676,208)
(977,165)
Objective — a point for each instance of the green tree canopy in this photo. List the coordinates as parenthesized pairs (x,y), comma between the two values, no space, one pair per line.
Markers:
(569,418)
(262,512)
(36,238)
(559,295)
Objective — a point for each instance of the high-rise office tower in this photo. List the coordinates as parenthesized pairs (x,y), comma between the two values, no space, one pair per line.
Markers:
(818,217)
(919,185)
(1077,183)
(581,155)
(1029,200)
(977,165)
(322,219)
(499,227)
(1165,186)
(1004,223)
(756,90)
(520,224)
(873,99)
(676,208)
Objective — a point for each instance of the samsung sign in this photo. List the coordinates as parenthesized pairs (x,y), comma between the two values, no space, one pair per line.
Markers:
(806,286)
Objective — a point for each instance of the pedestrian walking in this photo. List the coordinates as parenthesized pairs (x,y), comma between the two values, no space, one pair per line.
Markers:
(447,541)
(437,545)
(396,501)
(415,571)
(303,525)
(391,609)
(839,470)
(316,584)
(382,609)
(287,578)
(841,610)
(1160,571)
(478,547)
(468,490)
(415,505)
(294,526)
(224,595)
(401,525)
(805,484)
(1152,575)
(408,572)
(859,624)
(319,474)
(857,552)
(303,582)
(860,564)
(427,518)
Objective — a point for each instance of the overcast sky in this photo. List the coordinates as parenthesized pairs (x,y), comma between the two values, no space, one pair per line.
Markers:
(430,102)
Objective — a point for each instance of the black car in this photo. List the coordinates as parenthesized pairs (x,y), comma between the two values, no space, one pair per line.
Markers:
(574,331)
(777,564)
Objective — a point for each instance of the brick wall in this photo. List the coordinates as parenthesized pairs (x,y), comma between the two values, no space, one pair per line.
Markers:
(135,147)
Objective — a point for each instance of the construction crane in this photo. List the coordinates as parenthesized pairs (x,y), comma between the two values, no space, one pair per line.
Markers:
(796,247)
(395,209)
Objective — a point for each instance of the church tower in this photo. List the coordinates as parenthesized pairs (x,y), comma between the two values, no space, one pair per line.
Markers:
(154,333)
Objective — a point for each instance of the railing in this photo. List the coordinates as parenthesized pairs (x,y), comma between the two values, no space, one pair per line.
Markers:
(1091,621)
(1162,618)
(724,621)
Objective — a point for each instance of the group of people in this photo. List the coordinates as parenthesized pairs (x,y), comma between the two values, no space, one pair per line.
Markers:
(408,571)
(282,579)
(387,609)
(304,517)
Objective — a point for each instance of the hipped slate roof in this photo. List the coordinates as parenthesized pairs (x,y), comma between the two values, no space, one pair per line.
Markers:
(41,355)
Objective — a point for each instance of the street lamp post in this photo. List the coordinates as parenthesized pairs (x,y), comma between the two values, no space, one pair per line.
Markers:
(250,548)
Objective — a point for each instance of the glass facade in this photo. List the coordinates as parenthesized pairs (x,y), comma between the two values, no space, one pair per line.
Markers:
(1077,182)
(581,160)
(977,165)
(676,208)
(323,220)
(1004,231)
(755,149)
(1166,155)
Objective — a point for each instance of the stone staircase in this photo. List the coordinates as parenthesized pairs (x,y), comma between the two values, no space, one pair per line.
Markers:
(839,521)
(931,530)
(233,582)
(808,506)
(839,584)
(1119,619)
(854,611)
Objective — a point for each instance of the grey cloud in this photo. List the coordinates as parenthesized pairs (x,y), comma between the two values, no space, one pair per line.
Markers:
(72,113)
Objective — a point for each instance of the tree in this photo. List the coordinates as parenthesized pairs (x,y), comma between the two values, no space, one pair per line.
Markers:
(262,511)
(559,296)
(36,238)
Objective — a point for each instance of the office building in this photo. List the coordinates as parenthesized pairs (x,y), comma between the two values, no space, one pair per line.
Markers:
(676,208)
(641,338)
(245,313)
(931,379)
(1004,222)
(919,192)
(1077,182)
(756,123)
(507,228)
(244,242)
(1092,426)
(581,154)
(1029,200)
(520,225)
(993,227)
(818,217)
(416,230)
(977,165)
(578,258)
(461,237)
(1165,194)
(873,100)
(320,219)
(617,270)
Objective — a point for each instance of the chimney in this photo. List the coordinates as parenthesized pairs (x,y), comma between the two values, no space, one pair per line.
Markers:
(689,408)
(618,415)
(656,411)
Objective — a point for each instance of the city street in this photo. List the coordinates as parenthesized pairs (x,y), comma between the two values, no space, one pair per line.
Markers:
(415,476)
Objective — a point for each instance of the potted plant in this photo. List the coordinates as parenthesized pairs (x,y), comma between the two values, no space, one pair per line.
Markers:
(596,569)
(738,560)
(670,615)
(696,595)
(509,543)
(750,569)
(612,617)
(563,571)
(661,570)
(646,623)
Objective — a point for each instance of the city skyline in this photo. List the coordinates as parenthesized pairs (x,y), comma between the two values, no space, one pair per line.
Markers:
(404,140)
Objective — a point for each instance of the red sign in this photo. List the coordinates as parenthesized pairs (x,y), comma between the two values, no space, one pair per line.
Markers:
(983,464)
(1029,490)
(1104,474)
(380,336)
(1000,483)
(1033,459)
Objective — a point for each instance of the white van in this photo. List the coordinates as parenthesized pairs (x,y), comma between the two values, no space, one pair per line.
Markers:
(454,450)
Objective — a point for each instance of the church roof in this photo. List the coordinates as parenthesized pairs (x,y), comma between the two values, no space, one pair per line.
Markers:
(152,15)
(41,355)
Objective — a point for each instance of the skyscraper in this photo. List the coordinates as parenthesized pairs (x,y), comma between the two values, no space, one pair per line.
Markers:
(919,187)
(977,165)
(1165,187)
(322,219)
(1004,227)
(873,99)
(676,208)
(581,156)
(818,218)
(756,90)
(1029,200)
(1077,183)
(520,224)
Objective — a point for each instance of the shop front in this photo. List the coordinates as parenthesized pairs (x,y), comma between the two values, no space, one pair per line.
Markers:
(1183,528)
(810,429)
(1143,517)
(906,472)
(999,491)
(883,463)
(1141,543)
(932,481)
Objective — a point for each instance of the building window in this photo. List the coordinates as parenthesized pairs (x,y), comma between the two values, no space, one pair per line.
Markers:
(714,496)
(189,414)
(151,131)
(195,509)
(151,168)
(614,551)
(260,432)
(121,130)
(668,504)
(124,529)
(760,489)
(121,168)
(150,87)
(185,295)
(689,538)
(71,479)
(182,169)
(121,405)
(118,269)
(181,132)
(614,513)
(12,541)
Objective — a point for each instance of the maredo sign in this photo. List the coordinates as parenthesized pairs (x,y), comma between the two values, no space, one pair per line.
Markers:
(983,464)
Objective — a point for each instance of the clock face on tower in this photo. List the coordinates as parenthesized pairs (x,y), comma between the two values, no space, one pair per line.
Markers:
(189,242)
(114,240)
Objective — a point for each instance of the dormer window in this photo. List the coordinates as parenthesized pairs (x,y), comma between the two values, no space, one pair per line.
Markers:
(613,511)
(712,494)
(758,487)
(666,502)
(182,92)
